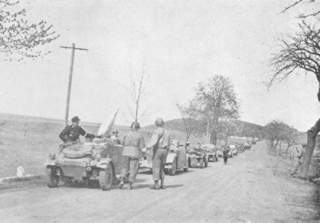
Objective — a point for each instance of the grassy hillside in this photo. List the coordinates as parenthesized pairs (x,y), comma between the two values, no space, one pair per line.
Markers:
(240,128)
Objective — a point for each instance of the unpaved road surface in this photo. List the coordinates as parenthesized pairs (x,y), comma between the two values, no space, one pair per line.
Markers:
(249,189)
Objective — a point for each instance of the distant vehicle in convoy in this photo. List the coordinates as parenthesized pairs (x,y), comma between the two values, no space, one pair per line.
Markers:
(197,157)
(255,140)
(211,150)
(247,146)
(219,153)
(233,150)
(94,162)
(177,159)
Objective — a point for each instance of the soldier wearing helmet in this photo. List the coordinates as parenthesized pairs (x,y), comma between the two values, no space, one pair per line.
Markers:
(71,133)
(115,137)
(159,144)
(133,143)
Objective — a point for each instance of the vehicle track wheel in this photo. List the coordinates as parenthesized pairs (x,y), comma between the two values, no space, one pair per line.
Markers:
(53,178)
(106,177)
(173,169)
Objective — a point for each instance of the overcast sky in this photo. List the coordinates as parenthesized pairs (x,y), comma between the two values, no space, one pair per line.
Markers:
(176,43)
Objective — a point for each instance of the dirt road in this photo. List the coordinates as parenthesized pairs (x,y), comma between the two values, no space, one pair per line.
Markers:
(249,189)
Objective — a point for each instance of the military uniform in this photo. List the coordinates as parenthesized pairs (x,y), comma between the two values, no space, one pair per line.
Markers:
(225,155)
(71,133)
(133,144)
(160,144)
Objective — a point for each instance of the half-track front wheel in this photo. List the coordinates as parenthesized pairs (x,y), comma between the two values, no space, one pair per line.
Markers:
(53,178)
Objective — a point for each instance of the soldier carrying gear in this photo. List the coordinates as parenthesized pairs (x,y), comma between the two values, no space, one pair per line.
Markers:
(71,133)
(133,143)
(115,137)
(160,142)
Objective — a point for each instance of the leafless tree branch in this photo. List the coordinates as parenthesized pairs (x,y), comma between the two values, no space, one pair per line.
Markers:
(300,52)
(306,14)
(291,5)
(20,37)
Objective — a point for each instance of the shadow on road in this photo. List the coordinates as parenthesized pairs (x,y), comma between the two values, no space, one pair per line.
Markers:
(142,186)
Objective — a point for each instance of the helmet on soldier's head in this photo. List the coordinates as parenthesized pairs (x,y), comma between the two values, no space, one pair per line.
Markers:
(159,122)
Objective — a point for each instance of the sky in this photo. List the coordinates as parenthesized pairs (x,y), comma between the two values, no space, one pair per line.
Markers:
(175,44)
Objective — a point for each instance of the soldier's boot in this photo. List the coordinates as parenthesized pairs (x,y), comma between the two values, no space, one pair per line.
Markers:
(155,186)
(162,183)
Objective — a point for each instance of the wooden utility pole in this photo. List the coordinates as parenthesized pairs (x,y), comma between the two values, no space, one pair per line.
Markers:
(73,49)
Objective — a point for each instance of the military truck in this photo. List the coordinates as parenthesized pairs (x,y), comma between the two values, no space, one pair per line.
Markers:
(94,162)
(198,157)
(211,152)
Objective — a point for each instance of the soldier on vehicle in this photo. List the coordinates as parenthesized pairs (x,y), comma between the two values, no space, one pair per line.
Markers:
(133,143)
(300,154)
(115,137)
(160,142)
(71,133)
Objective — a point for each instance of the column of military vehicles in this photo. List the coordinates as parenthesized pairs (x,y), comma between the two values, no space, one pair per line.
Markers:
(99,162)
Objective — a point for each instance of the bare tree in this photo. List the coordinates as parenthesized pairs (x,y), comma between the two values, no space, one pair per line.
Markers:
(18,36)
(301,52)
(214,100)
(136,92)
(186,122)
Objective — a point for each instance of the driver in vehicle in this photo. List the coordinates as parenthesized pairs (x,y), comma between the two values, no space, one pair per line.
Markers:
(71,133)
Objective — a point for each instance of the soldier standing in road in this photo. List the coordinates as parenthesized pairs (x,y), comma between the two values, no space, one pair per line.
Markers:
(225,154)
(133,143)
(159,143)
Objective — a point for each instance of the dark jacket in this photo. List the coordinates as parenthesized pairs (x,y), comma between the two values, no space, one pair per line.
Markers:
(71,133)
(225,152)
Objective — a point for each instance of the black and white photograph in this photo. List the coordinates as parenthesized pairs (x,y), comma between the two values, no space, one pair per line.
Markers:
(159,111)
